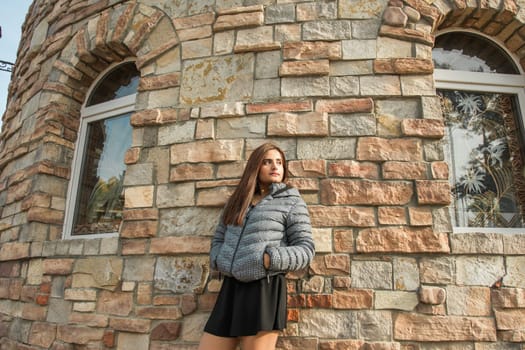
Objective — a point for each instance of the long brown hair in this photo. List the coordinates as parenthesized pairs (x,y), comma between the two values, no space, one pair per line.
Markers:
(241,198)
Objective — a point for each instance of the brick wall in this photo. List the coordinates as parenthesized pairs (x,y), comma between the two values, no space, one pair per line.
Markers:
(344,87)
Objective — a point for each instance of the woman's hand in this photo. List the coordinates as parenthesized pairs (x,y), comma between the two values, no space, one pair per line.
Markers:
(266,261)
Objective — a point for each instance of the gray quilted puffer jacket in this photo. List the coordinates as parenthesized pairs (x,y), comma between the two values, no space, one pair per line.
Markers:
(278,225)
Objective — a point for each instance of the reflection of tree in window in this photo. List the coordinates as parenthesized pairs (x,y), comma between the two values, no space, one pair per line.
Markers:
(121,81)
(484,166)
(96,205)
(484,147)
(100,200)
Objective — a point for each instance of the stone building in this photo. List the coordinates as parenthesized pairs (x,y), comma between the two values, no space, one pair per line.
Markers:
(128,124)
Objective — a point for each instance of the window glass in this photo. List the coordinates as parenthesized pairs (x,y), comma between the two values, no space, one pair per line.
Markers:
(482,142)
(95,199)
(100,199)
(120,82)
(470,52)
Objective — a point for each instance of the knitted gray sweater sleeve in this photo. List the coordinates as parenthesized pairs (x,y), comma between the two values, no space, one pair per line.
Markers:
(300,248)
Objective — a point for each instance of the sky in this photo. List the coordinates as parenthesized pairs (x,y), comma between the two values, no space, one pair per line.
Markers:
(12,17)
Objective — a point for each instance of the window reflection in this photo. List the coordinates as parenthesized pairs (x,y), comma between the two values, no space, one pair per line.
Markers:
(100,199)
(120,82)
(480,153)
(469,52)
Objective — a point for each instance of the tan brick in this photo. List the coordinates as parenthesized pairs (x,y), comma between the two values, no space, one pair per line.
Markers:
(18,191)
(58,266)
(311,50)
(45,215)
(185,172)
(132,155)
(381,149)
(144,293)
(139,229)
(195,33)
(159,82)
(160,313)
(304,68)
(140,214)
(469,301)
(405,170)
(402,239)
(407,34)
(289,124)
(508,298)
(509,319)
(206,151)
(440,170)
(79,334)
(214,197)
(115,303)
(353,299)
(194,21)
(133,246)
(138,197)
(78,294)
(433,192)
(179,245)
(274,107)
(205,129)
(341,345)
(404,65)
(352,168)
(343,241)
(42,334)
(326,216)
(514,336)
(236,21)
(130,325)
(304,185)
(432,295)
(152,117)
(14,251)
(349,105)
(425,128)
(307,168)
(367,192)
(223,110)
(392,215)
(420,216)
(413,327)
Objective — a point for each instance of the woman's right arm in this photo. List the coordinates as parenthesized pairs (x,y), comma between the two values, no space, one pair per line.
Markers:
(216,244)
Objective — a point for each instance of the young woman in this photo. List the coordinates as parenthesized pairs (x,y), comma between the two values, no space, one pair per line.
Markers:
(263,233)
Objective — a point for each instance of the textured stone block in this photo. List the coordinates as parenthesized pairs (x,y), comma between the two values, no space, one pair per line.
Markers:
(326,216)
(413,327)
(366,192)
(310,50)
(206,151)
(288,124)
(304,68)
(402,239)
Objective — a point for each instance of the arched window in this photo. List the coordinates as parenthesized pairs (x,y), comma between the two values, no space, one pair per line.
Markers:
(95,196)
(482,98)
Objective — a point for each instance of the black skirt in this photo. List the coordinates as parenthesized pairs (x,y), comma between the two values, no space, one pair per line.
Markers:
(244,309)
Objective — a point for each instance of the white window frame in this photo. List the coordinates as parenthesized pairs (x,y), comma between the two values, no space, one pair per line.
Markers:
(101,111)
(484,82)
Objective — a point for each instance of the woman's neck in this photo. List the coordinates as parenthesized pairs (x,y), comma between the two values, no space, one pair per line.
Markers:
(264,190)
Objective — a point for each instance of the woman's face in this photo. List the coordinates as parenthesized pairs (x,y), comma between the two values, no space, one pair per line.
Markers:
(272,168)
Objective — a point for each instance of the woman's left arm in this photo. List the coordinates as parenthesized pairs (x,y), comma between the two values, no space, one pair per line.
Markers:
(300,250)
